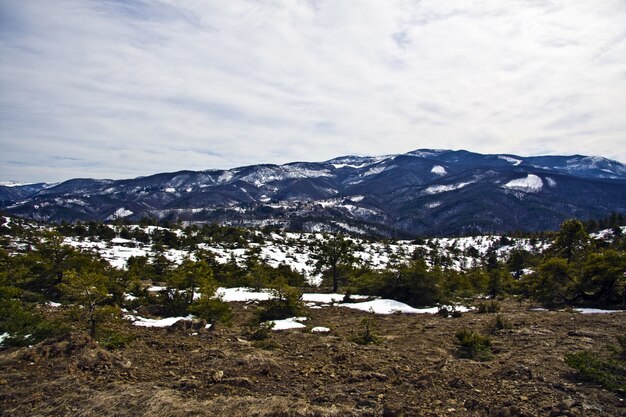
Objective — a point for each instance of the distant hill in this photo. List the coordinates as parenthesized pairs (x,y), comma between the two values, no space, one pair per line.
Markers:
(433,192)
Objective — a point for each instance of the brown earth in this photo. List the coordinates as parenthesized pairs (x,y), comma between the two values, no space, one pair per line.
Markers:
(415,371)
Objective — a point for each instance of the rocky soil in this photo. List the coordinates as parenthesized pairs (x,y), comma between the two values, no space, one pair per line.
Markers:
(415,371)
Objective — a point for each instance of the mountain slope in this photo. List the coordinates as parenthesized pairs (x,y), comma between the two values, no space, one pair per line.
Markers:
(420,192)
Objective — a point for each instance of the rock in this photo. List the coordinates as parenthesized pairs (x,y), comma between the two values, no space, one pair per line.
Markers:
(379,376)
(241,382)
(392,411)
(366,403)
(186,384)
(471,404)
(216,376)
(459,383)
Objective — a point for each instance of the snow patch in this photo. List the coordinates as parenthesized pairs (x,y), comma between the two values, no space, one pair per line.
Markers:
(531,184)
(290,323)
(320,329)
(435,189)
(439,170)
(122,212)
(165,322)
(386,306)
(14,184)
(375,170)
(597,311)
(510,160)
(242,294)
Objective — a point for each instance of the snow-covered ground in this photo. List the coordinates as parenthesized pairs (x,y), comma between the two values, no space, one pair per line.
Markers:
(386,306)
(294,250)
(164,322)
(290,323)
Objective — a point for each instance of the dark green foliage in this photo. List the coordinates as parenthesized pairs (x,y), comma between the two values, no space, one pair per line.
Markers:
(518,260)
(501,323)
(112,339)
(572,240)
(261,335)
(491,306)
(369,333)
(603,277)
(286,302)
(89,290)
(608,372)
(212,310)
(415,284)
(554,283)
(260,331)
(24,325)
(333,257)
(473,345)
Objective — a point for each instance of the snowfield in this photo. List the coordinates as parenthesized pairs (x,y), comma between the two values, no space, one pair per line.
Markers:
(386,306)
(439,170)
(164,322)
(530,184)
(436,189)
(294,249)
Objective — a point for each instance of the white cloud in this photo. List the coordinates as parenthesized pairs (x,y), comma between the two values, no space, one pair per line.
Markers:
(124,88)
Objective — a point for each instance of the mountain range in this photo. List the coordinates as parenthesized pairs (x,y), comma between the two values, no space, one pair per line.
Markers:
(423,192)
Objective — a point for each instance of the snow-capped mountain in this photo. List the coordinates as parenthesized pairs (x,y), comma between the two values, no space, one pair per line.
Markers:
(421,192)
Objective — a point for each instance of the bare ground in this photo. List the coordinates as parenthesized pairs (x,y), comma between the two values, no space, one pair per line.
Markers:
(415,371)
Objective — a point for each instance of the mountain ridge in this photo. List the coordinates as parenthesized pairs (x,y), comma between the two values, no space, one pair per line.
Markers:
(424,191)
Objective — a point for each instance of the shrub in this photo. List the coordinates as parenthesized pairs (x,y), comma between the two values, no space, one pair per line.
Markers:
(262,331)
(474,345)
(261,335)
(212,310)
(111,339)
(443,312)
(286,302)
(608,372)
(489,307)
(24,326)
(369,334)
(501,323)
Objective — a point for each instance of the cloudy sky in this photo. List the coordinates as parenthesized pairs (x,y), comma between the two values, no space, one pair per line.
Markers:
(122,88)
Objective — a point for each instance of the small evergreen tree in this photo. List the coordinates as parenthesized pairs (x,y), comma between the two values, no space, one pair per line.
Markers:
(332,256)
(89,290)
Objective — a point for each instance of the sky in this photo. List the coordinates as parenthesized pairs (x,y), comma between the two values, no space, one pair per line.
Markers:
(125,88)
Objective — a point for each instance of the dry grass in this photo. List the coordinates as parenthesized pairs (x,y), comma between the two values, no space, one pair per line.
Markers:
(148,401)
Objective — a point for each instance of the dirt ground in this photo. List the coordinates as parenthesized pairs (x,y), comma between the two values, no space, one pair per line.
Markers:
(414,371)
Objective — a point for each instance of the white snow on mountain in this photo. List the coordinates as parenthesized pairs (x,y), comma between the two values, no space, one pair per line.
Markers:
(376,170)
(439,170)
(266,175)
(435,189)
(530,184)
(13,183)
(119,213)
(426,153)
(510,160)
(225,177)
